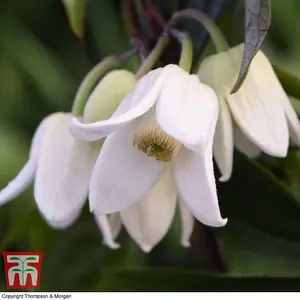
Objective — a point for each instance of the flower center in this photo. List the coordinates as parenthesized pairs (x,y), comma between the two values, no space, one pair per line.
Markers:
(153,141)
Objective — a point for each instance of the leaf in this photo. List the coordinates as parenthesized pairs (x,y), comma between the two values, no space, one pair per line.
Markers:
(262,236)
(162,279)
(254,196)
(76,12)
(31,258)
(257,22)
(16,270)
(290,82)
(251,252)
(15,258)
(29,270)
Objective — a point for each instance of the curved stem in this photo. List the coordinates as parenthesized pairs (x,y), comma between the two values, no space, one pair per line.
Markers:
(153,56)
(92,78)
(186,57)
(213,30)
(90,81)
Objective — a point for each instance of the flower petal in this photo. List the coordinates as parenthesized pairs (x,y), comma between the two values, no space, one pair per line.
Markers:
(223,142)
(135,104)
(187,224)
(64,169)
(244,145)
(292,119)
(106,230)
(194,177)
(258,110)
(115,222)
(26,175)
(122,174)
(148,220)
(187,109)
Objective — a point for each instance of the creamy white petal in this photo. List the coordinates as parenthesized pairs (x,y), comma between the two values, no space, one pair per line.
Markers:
(115,223)
(104,226)
(257,108)
(149,219)
(187,224)
(243,144)
(186,109)
(223,142)
(64,169)
(63,223)
(135,104)
(122,174)
(292,119)
(194,178)
(25,177)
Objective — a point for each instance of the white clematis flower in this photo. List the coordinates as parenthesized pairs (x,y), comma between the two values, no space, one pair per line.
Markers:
(259,117)
(61,165)
(148,220)
(168,118)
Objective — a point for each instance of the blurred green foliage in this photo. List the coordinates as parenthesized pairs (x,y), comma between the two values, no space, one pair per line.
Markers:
(41,65)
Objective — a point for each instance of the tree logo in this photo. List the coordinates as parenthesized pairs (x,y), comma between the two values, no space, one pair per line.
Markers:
(23,269)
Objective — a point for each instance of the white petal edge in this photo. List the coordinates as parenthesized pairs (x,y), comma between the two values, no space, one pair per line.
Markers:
(104,226)
(244,145)
(26,176)
(187,224)
(292,119)
(194,178)
(135,104)
(64,169)
(187,109)
(122,174)
(223,142)
(149,219)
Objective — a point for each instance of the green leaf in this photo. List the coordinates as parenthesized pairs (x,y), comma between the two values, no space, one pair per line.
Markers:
(262,236)
(76,12)
(16,270)
(29,270)
(31,258)
(290,83)
(254,196)
(257,22)
(251,252)
(15,258)
(163,279)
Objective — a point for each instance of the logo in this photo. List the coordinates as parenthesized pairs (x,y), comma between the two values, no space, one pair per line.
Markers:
(23,269)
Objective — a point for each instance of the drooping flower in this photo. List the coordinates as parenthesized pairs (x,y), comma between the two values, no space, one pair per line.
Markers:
(148,220)
(259,117)
(61,165)
(167,121)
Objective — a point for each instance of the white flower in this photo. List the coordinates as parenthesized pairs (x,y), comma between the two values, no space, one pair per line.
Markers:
(61,165)
(263,118)
(148,220)
(169,118)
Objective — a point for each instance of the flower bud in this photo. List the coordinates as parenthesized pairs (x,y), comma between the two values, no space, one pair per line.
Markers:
(108,95)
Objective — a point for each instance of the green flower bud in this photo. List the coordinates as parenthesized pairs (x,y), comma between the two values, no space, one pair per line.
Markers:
(108,95)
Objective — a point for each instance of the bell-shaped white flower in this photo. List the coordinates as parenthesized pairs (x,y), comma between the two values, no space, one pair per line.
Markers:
(259,117)
(148,220)
(61,165)
(169,117)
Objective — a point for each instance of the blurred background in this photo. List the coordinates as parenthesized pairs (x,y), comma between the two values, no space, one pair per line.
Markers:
(41,65)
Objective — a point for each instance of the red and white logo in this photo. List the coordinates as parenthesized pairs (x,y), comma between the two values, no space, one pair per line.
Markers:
(23,269)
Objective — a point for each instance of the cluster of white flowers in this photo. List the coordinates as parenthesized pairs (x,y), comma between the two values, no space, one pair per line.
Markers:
(158,149)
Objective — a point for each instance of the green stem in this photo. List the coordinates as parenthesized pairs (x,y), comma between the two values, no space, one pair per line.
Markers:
(186,57)
(90,81)
(213,30)
(153,56)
